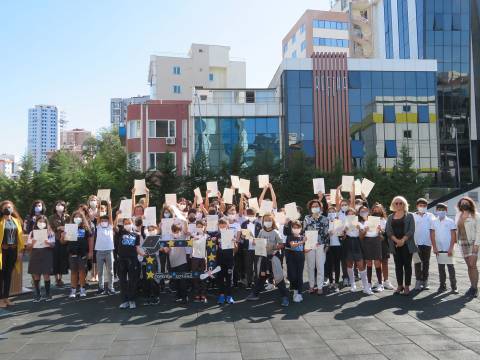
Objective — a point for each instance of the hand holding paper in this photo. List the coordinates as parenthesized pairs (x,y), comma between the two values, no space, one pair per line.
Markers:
(103,195)
(228,196)
(312,239)
(235,181)
(263,181)
(213,189)
(171,199)
(291,211)
(244,186)
(71,232)
(319,186)
(347,183)
(140,187)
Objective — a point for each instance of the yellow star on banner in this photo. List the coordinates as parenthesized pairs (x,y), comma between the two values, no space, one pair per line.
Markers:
(190,242)
(211,257)
(149,259)
(149,275)
(171,243)
(210,243)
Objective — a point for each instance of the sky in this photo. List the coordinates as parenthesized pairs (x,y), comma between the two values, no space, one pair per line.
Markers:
(79,54)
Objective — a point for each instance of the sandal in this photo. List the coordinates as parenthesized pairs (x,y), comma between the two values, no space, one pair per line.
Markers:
(399,291)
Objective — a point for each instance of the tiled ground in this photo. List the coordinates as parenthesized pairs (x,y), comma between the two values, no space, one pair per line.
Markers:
(338,326)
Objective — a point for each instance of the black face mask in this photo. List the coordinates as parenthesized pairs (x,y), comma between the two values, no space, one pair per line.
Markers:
(465,207)
(8,211)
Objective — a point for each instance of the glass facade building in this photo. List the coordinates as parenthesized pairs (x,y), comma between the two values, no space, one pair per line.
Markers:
(391,109)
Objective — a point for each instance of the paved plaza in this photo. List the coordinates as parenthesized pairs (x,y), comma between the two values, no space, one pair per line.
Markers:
(337,326)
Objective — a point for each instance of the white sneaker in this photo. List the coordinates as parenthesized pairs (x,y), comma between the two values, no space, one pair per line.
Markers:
(388,285)
(346,282)
(73,294)
(83,293)
(353,287)
(300,297)
(368,291)
(269,286)
(132,305)
(425,285)
(377,288)
(124,305)
(418,285)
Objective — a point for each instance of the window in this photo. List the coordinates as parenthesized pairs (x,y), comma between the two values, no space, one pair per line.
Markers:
(184,134)
(176,89)
(294,54)
(303,46)
(357,149)
(210,77)
(326,24)
(407,108)
(388,29)
(250,96)
(388,113)
(176,70)
(302,29)
(285,47)
(407,134)
(133,129)
(317,41)
(438,22)
(161,128)
(403,34)
(156,160)
(423,116)
(134,160)
(390,149)
(294,39)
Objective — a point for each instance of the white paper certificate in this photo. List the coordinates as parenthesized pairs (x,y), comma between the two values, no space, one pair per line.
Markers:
(367,186)
(199,250)
(235,181)
(150,216)
(244,186)
(212,222)
(347,183)
(358,187)
(260,247)
(333,196)
(443,258)
(253,204)
(198,194)
(103,194)
(140,187)
(166,226)
(40,237)
(71,232)
(319,186)
(351,220)
(291,211)
(228,196)
(312,239)
(373,222)
(227,239)
(266,207)
(263,181)
(126,209)
(213,187)
(171,199)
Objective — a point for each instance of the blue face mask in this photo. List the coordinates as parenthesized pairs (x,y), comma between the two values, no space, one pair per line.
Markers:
(441,214)
(38,209)
(332,216)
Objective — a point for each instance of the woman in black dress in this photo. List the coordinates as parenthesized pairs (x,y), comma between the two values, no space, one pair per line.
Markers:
(60,254)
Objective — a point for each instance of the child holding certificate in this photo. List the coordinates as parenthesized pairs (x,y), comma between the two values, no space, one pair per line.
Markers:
(41,241)
(226,246)
(198,261)
(295,260)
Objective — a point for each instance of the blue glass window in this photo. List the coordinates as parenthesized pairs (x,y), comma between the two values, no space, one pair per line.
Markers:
(355,114)
(176,89)
(354,80)
(403,32)
(357,149)
(306,96)
(423,116)
(354,96)
(294,39)
(306,113)
(293,96)
(306,79)
(294,54)
(302,29)
(285,47)
(293,78)
(387,8)
(317,41)
(303,46)
(387,79)
(176,70)
(388,113)
(390,149)
(261,125)
(210,77)
(293,113)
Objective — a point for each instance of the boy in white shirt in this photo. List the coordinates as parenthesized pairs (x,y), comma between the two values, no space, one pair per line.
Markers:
(443,235)
(423,222)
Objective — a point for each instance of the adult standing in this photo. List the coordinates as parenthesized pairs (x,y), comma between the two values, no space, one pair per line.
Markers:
(60,251)
(400,231)
(11,249)
(468,227)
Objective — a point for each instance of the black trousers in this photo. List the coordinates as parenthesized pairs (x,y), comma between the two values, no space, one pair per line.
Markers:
(128,275)
(249,265)
(451,275)
(224,279)
(403,265)
(198,285)
(239,267)
(9,258)
(421,268)
(265,265)
(181,284)
(295,265)
(333,262)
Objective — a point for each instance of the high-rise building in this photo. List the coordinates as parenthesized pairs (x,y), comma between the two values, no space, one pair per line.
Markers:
(118,109)
(72,140)
(209,66)
(317,31)
(43,132)
(7,162)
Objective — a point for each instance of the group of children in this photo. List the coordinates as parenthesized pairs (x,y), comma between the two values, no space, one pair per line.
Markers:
(343,252)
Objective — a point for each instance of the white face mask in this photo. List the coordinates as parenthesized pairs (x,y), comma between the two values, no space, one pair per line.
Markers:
(167,215)
(77,220)
(315,210)
(182,206)
(103,213)
(332,216)
(267,224)
(41,225)
(200,231)
(251,219)
(128,227)
(344,208)
(232,216)
(422,209)
(60,208)
(296,232)
(104,224)
(364,214)
(93,204)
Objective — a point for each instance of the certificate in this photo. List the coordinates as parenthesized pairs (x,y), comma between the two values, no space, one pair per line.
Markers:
(351,220)
(260,247)
(126,209)
(150,215)
(192,228)
(227,239)
(71,232)
(140,187)
(253,203)
(213,187)
(228,196)
(319,186)
(337,226)
(103,195)
(235,181)
(291,211)
(199,247)
(373,222)
(171,199)
(358,187)
(280,218)
(244,186)
(40,237)
(312,239)
(212,223)
(166,227)
(266,208)
(263,180)
(198,194)
(367,186)
(178,213)
(444,259)
(347,183)
(333,196)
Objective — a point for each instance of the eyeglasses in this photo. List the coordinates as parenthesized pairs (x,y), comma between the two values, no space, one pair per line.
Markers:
(398,203)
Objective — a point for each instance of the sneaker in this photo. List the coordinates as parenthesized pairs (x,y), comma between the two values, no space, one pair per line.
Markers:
(388,285)
(47,298)
(203,299)
(296,298)
(353,288)
(418,285)
(455,291)
(124,305)
(269,286)
(221,299)
(285,301)
(346,282)
(73,294)
(378,288)
(472,292)
(155,301)
(426,286)
(368,291)
(110,292)
(230,300)
(37,299)
(101,291)
(83,293)
(252,297)
(132,305)
(441,289)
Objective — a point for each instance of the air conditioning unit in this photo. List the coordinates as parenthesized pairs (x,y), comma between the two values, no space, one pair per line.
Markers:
(171,141)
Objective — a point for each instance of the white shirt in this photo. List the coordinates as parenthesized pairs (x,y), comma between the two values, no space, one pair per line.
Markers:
(443,232)
(334,239)
(422,228)
(353,231)
(104,238)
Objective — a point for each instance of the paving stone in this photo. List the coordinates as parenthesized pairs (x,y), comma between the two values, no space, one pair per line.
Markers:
(295,341)
(130,347)
(405,352)
(11,345)
(216,329)
(176,338)
(265,350)
(82,354)
(39,351)
(127,357)
(364,357)
(435,342)
(135,333)
(100,329)
(473,345)
(223,344)
(51,337)
(456,355)
(337,332)
(384,337)
(365,324)
(168,352)
(442,323)
(86,342)
(219,356)
(461,334)
(416,328)
(312,353)
(252,324)
(290,326)
(257,335)
(351,346)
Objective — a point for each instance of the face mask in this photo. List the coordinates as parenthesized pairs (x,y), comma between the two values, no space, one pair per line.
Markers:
(41,225)
(198,216)
(176,236)
(315,210)
(167,215)
(128,227)
(8,210)
(267,224)
(182,206)
(296,232)
(200,230)
(103,213)
(441,214)
(232,216)
(357,207)
(421,209)
(59,208)
(93,204)
(364,214)
(251,219)
(332,216)
(344,208)
(77,220)
(191,218)
(38,209)
(464,207)
(104,224)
